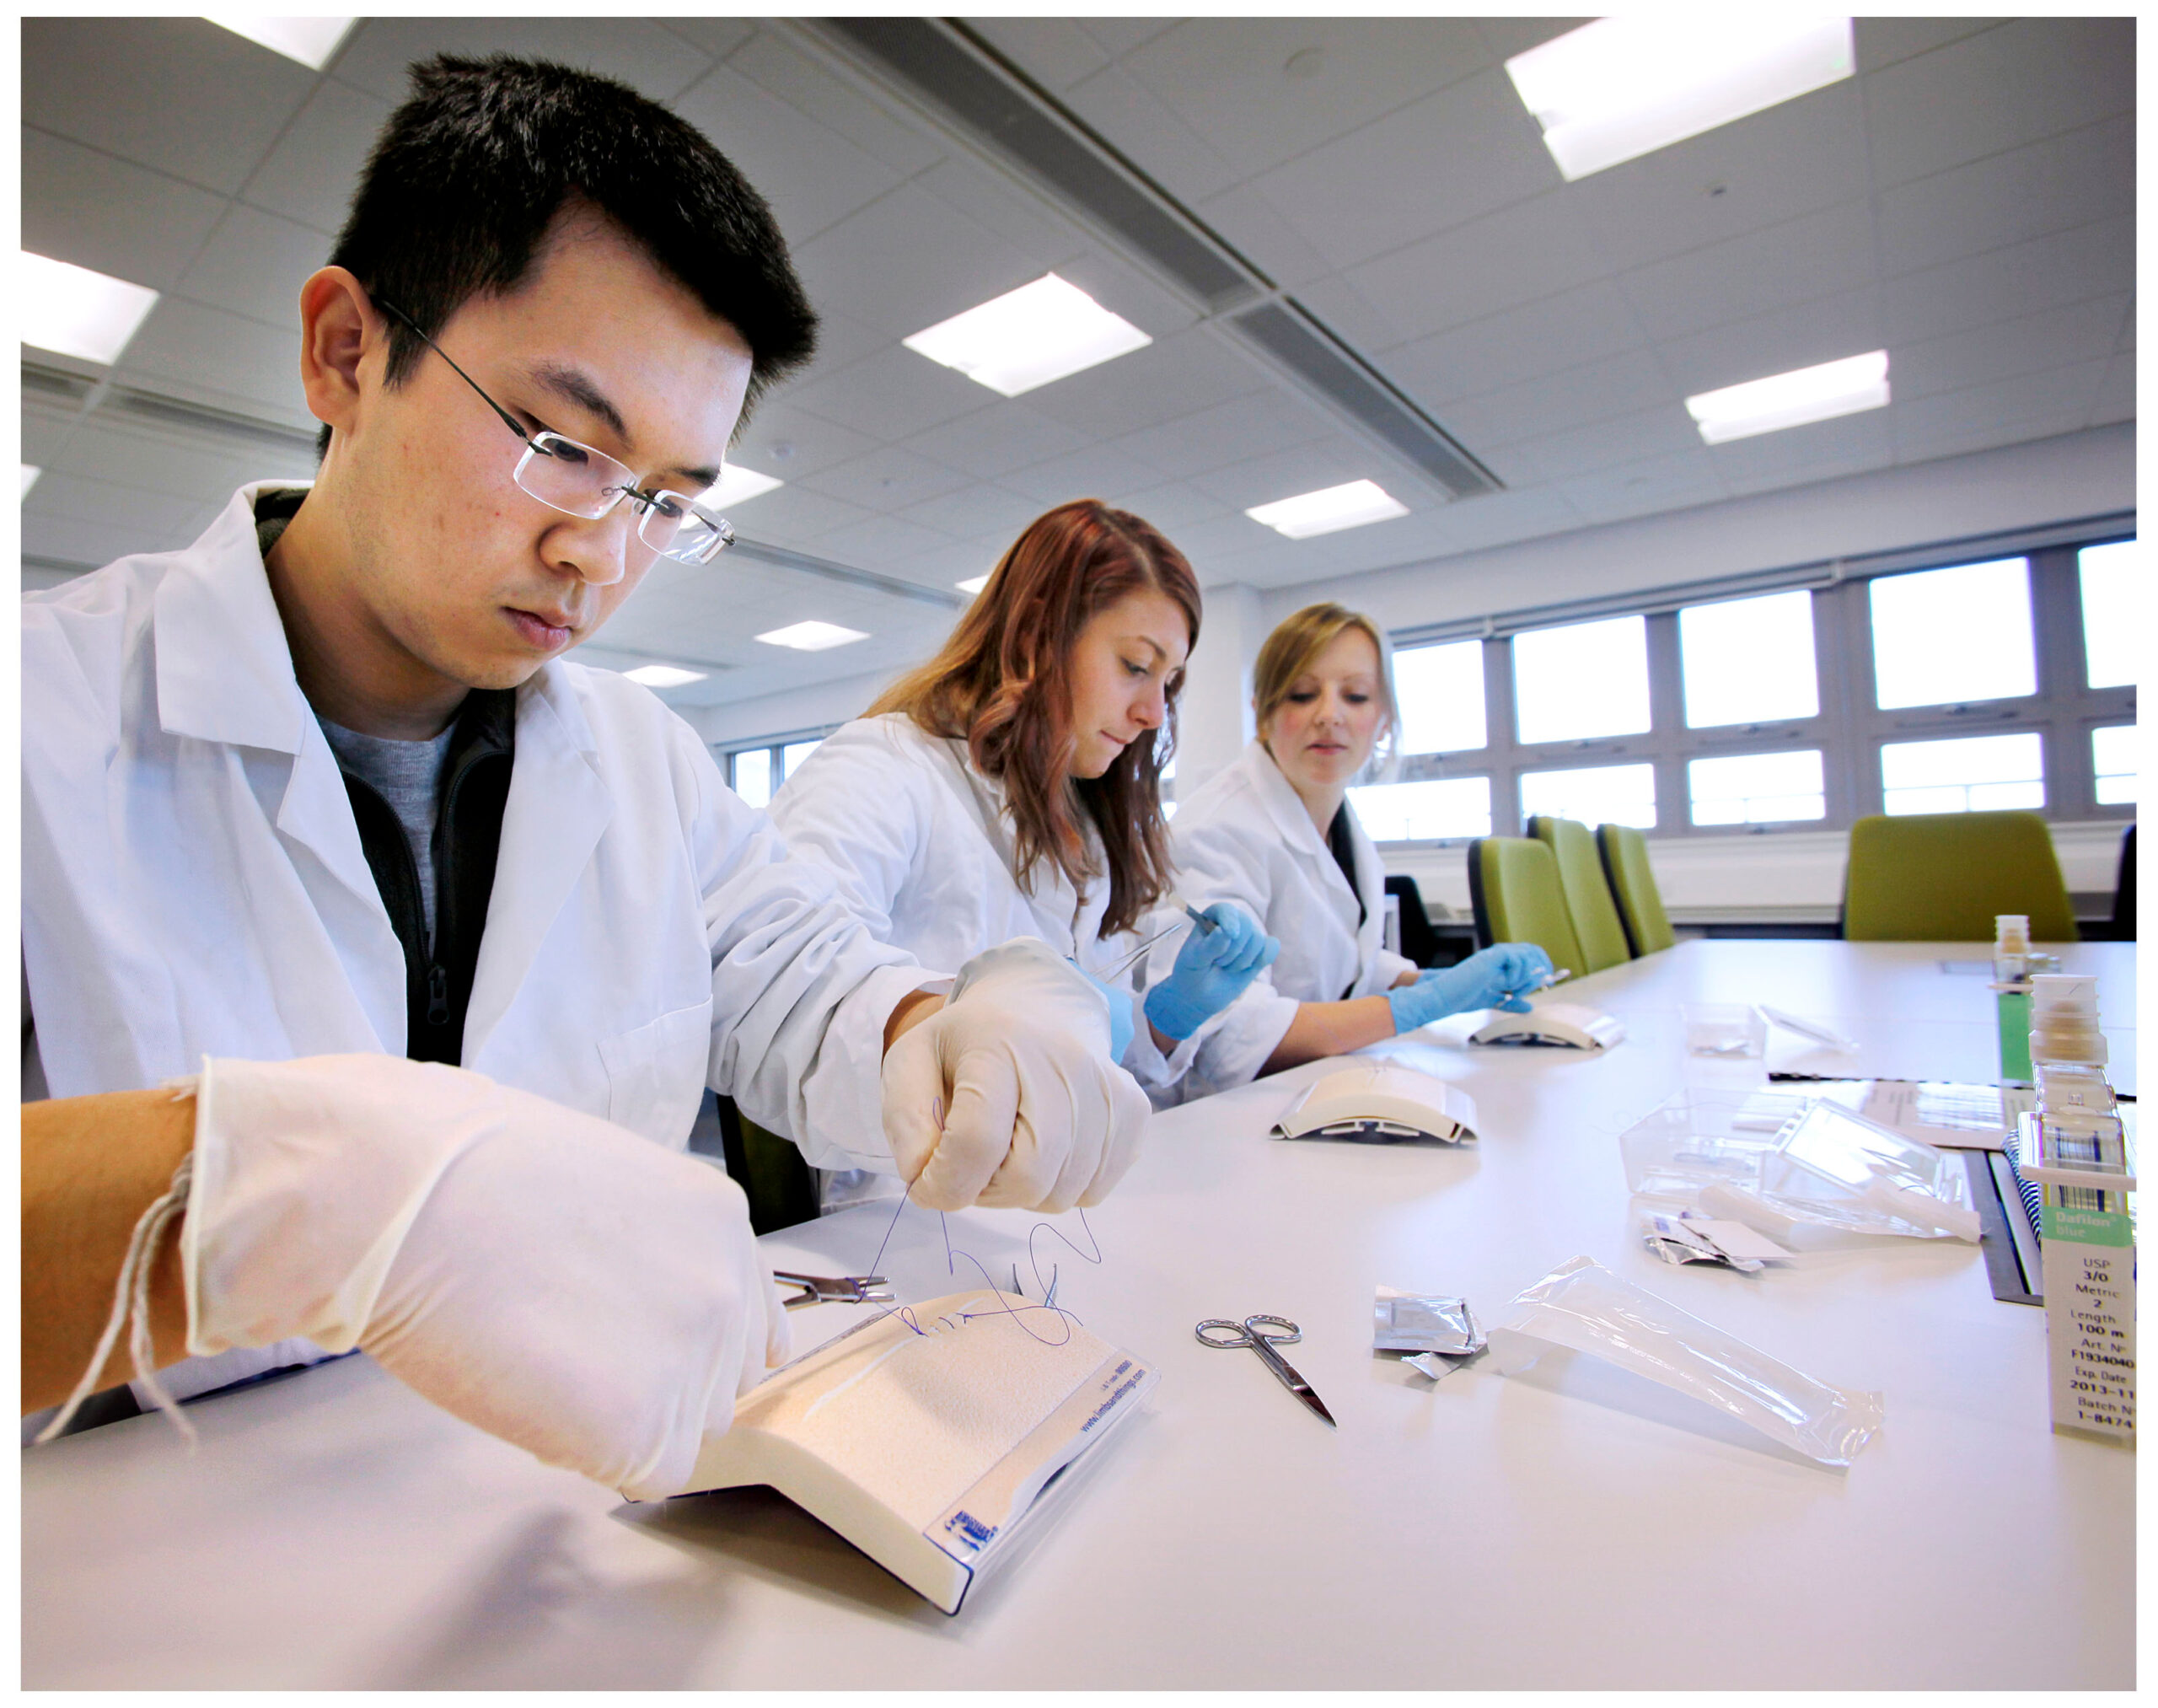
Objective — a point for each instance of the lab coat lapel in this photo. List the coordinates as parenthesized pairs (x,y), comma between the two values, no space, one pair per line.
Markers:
(558,806)
(1286,808)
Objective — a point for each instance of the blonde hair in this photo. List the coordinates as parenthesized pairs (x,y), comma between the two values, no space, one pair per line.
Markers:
(1293,648)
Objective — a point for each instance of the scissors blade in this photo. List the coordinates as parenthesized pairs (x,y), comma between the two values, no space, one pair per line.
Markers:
(1286,1373)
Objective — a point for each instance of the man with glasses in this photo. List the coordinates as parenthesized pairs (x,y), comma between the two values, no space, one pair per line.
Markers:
(321,784)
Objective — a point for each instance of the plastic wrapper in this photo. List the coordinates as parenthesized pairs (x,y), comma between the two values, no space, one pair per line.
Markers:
(1424,1323)
(1584,1308)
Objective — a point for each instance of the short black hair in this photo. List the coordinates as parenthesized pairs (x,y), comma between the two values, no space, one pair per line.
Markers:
(470,173)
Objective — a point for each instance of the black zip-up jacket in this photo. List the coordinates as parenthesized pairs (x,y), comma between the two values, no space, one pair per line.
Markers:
(468,835)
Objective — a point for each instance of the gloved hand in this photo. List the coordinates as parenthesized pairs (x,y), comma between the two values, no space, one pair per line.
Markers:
(1120,1006)
(1008,1097)
(1212,969)
(547,1275)
(1490,978)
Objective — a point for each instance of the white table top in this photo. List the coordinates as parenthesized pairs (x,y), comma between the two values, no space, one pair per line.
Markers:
(1566,1528)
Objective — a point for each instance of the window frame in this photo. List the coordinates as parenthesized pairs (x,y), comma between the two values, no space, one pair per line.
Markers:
(1850,730)
(725,753)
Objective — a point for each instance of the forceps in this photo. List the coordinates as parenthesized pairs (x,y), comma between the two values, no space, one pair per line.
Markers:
(1252,1333)
(835,1290)
(1205,927)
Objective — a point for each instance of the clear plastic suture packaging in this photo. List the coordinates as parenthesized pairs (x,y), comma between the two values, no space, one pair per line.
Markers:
(1780,1165)
(1581,1307)
(1724,1029)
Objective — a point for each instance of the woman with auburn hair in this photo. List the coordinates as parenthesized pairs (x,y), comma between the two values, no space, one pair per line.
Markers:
(1275,834)
(1011,787)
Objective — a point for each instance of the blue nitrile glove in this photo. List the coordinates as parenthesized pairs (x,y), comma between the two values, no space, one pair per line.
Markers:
(1212,969)
(1120,1020)
(1491,977)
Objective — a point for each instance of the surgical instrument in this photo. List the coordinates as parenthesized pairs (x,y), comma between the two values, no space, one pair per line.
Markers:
(835,1290)
(1252,1333)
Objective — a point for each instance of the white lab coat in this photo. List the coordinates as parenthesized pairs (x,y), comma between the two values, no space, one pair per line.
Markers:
(1244,836)
(921,844)
(193,881)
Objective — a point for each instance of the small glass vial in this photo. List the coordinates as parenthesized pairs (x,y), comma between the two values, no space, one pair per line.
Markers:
(2012,948)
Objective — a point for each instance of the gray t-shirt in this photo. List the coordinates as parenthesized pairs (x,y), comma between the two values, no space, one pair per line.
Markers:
(408,774)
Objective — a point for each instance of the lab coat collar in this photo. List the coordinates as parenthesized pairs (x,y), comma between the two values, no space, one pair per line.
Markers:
(224,666)
(1283,805)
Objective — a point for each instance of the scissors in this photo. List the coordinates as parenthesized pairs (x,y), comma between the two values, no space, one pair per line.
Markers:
(1252,1333)
(841,1290)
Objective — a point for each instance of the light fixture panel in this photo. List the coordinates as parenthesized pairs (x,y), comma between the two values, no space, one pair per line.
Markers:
(70,309)
(663,675)
(30,472)
(1797,399)
(972,584)
(310,40)
(812,637)
(1624,87)
(738,485)
(1045,331)
(1353,504)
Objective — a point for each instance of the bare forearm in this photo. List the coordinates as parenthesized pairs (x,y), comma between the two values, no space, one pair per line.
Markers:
(1320,1029)
(91,1166)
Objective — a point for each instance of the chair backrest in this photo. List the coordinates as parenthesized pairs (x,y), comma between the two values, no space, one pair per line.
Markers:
(1625,852)
(1588,896)
(1513,885)
(2125,892)
(1942,878)
(1419,942)
(781,1186)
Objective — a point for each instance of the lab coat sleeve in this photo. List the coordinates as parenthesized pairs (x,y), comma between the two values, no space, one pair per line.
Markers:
(1390,967)
(1215,864)
(801,987)
(871,854)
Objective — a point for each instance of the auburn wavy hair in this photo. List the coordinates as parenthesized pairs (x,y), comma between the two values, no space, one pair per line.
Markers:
(1003,681)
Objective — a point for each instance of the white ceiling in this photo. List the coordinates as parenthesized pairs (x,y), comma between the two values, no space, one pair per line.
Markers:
(1967,202)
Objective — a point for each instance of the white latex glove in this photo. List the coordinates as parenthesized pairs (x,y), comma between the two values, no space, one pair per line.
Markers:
(1035,1113)
(551,1278)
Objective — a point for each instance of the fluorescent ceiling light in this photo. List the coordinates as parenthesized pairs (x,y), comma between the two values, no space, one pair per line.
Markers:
(662,675)
(310,40)
(1624,87)
(738,485)
(1329,510)
(1792,400)
(30,478)
(77,312)
(811,638)
(1030,336)
(973,583)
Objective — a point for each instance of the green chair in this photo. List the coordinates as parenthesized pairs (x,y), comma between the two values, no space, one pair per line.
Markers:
(1513,888)
(1588,897)
(781,1186)
(1942,876)
(1625,852)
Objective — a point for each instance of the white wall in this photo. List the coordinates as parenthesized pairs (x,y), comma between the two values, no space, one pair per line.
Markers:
(811,707)
(1214,712)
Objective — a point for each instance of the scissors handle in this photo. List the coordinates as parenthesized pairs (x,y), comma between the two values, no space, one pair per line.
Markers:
(1246,1333)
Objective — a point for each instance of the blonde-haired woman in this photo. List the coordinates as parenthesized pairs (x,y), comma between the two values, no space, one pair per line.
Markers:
(1275,834)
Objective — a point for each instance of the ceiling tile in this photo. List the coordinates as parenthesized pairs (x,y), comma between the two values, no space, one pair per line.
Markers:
(1519,345)
(992,442)
(2116,399)
(714,37)
(909,261)
(812,177)
(1169,377)
(1996,91)
(310,174)
(1884,40)
(886,480)
(185,466)
(1120,36)
(974,511)
(789,443)
(1818,254)
(635,50)
(1096,472)
(94,540)
(1534,249)
(2023,398)
(1019,217)
(1056,52)
(109,81)
(1793,158)
(795,515)
(1665,428)
(2053,338)
(1957,441)
(255,266)
(1573,397)
(1675,481)
(1245,220)
(1270,420)
(1820,450)
(1348,313)
(219,357)
(893,395)
(1124,110)
(876,544)
(2093,260)
(1310,468)
(1174,506)
(1466,151)
(2065,181)
(906,146)
(1825,330)
(1231,78)
(162,515)
(1507,36)
(97,211)
(841,341)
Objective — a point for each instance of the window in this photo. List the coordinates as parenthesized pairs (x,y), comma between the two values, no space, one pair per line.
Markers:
(1973,774)
(1584,680)
(1609,794)
(1946,637)
(2112,612)
(1424,812)
(1442,694)
(792,755)
(753,775)
(1756,788)
(1748,661)
(2112,754)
